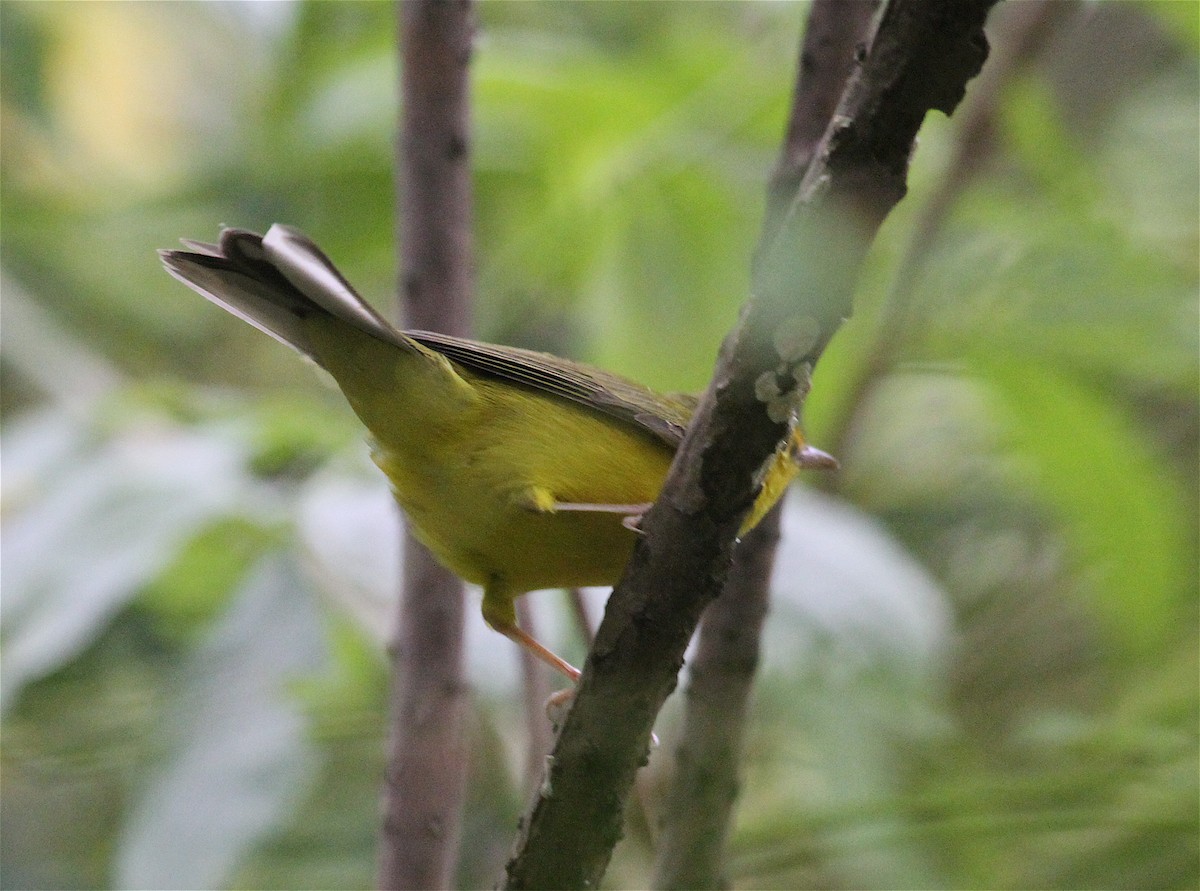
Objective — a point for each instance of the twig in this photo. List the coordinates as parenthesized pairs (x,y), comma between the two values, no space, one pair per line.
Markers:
(641,825)
(426,772)
(832,35)
(535,687)
(704,787)
(922,55)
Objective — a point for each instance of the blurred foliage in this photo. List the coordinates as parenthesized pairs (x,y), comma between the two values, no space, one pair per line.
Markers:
(981,669)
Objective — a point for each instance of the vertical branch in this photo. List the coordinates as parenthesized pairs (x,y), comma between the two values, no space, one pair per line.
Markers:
(536,688)
(437,265)
(700,801)
(426,770)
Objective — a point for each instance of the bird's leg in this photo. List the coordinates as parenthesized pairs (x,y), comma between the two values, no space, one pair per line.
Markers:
(541,500)
(633,510)
(522,637)
(499,614)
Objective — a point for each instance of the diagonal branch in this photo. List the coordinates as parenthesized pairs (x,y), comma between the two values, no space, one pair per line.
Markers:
(922,55)
(700,801)
(835,31)
(427,758)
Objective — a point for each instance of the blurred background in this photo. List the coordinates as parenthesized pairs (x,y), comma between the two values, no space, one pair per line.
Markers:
(981,664)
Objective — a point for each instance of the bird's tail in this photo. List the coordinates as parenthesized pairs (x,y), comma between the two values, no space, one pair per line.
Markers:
(276,282)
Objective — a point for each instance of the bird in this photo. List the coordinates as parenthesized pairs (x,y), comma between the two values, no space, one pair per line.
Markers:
(517,469)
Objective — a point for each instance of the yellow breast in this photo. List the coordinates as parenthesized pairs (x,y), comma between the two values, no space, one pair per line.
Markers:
(467,495)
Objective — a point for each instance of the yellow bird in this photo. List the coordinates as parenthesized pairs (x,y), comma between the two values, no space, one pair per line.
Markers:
(517,469)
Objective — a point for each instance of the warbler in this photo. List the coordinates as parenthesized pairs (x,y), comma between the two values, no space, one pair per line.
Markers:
(519,470)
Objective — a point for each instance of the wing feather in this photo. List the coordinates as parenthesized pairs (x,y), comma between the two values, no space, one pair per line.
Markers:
(664,416)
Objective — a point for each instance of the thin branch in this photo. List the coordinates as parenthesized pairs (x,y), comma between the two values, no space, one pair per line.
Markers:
(535,686)
(427,759)
(641,826)
(704,787)
(434,158)
(922,55)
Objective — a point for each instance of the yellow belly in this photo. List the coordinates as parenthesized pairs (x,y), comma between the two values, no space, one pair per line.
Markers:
(467,493)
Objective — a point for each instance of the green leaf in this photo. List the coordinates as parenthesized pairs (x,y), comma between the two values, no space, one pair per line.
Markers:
(193,588)
(1120,509)
(107,522)
(238,760)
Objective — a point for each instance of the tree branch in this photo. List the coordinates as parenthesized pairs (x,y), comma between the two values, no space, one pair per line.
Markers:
(922,55)
(426,771)
(704,787)
(703,790)
(1019,37)
(832,36)
(535,687)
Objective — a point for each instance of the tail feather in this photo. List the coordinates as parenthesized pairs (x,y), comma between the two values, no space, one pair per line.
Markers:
(275,283)
(305,265)
(269,308)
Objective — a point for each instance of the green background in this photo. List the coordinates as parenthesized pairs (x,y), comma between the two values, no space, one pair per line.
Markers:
(981,664)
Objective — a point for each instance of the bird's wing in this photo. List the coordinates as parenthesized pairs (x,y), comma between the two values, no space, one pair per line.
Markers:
(663,416)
